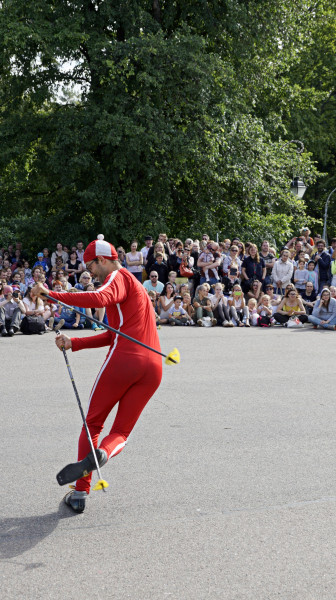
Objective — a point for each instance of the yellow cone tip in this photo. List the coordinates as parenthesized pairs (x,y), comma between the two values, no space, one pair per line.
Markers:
(173,357)
(101,484)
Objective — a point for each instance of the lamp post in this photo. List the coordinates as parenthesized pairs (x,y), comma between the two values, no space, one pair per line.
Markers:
(297,186)
(324,234)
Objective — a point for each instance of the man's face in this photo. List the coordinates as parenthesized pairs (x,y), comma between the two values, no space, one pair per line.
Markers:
(154,278)
(97,270)
(320,247)
(149,243)
(285,256)
(80,246)
(298,246)
(16,278)
(36,275)
(265,246)
(6,264)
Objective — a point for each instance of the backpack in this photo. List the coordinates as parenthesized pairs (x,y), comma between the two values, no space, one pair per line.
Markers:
(31,325)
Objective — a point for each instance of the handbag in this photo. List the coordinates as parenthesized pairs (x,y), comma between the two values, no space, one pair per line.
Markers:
(31,325)
(294,322)
(186,271)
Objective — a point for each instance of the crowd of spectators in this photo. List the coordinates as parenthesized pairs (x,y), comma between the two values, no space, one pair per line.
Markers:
(192,282)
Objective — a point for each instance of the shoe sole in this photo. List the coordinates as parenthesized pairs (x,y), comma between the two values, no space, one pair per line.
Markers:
(77,470)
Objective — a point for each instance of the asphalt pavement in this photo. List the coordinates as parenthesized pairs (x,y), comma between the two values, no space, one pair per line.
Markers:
(226,489)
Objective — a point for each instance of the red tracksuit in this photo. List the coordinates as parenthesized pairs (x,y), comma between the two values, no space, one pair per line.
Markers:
(130,373)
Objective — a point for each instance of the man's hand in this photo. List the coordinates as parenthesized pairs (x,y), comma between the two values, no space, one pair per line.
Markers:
(39,290)
(63,341)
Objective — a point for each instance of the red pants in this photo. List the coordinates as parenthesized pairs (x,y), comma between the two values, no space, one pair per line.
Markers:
(129,379)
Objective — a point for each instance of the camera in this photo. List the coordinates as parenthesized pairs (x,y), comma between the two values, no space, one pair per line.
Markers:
(16,294)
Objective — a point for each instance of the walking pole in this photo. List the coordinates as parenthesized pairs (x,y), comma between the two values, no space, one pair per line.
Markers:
(101,484)
(172,358)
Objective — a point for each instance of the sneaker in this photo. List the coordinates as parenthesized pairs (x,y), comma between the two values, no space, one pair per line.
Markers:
(83,468)
(230,324)
(59,325)
(225,324)
(94,326)
(200,323)
(314,326)
(214,322)
(76,500)
(247,324)
(172,323)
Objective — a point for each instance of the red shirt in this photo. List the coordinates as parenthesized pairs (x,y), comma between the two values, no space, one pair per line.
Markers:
(128,309)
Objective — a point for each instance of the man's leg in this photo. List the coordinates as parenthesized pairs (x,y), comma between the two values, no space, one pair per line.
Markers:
(3,330)
(112,385)
(16,320)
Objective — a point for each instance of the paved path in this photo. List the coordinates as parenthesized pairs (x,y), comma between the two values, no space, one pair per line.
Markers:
(225,491)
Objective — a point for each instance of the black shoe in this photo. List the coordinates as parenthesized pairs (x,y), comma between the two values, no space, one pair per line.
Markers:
(3,331)
(11,332)
(83,468)
(76,500)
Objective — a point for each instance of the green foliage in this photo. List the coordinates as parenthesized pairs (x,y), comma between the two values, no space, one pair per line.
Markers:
(131,118)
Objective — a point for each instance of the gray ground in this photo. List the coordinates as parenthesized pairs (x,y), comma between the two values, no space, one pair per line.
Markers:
(226,489)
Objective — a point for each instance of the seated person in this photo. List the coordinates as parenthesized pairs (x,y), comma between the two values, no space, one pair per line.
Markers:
(308,297)
(202,306)
(153,283)
(165,302)
(324,311)
(238,310)
(290,306)
(153,299)
(11,311)
(72,319)
(188,307)
(177,314)
(219,304)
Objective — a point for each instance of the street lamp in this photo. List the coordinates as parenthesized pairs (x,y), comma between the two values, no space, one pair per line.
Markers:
(297,186)
(324,234)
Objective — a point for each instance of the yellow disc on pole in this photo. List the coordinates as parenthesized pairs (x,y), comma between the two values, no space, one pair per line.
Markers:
(173,358)
(100,485)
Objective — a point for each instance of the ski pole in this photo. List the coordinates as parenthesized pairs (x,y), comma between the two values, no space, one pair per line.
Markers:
(101,484)
(172,358)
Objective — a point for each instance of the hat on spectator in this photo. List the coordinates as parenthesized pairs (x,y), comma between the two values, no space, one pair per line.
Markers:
(100,247)
(8,289)
(40,254)
(148,237)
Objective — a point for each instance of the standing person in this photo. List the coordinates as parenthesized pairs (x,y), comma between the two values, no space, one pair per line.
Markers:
(144,251)
(130,373)
(73,267)
(282,271)
(134,261)
(253,268)
(269,260)
(322,260)
(59,252)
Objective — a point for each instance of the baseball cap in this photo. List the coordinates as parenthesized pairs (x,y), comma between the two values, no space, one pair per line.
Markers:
(100,247)
(40,254)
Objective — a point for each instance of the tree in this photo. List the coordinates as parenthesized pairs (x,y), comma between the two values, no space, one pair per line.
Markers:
(134,117)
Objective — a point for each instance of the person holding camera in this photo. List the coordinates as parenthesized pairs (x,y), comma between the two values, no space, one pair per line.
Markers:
(11,309)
